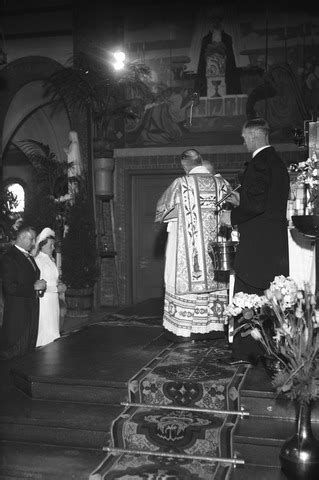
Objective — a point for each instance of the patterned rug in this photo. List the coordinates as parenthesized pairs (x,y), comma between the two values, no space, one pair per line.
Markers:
(194,378)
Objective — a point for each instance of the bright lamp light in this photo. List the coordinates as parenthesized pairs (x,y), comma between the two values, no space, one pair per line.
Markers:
(119,58)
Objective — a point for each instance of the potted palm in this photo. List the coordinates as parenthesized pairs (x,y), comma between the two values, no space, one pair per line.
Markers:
(110,96)
(50,177)
(79,253)
(70,216)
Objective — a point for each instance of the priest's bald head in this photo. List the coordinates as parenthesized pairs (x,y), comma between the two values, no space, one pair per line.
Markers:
(191,158)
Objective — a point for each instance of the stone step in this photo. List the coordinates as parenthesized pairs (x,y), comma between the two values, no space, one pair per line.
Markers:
(20,461)
(258,397)
(69,395)
(258,439)
(67,370)
(58,423)
(248,471)
(254,472)
(68,390)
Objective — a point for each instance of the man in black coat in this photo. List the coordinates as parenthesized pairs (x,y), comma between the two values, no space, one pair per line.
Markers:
(262,224)
(21,286)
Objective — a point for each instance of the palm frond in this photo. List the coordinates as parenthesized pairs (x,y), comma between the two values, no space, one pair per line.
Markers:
(47,167)
(86,85)
(34,149)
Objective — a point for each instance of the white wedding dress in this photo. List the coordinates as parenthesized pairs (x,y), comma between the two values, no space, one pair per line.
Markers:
(49,314)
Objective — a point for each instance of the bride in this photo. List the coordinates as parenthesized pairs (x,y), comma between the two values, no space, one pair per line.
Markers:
(49,314)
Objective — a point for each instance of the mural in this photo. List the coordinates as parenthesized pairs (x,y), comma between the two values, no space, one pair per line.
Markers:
(211,68)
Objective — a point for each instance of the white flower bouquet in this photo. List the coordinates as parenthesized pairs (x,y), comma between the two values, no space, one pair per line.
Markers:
(286,322)
(307,174)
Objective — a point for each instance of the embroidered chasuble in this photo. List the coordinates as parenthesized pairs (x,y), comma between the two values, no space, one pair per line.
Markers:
(191,200)
(194,299)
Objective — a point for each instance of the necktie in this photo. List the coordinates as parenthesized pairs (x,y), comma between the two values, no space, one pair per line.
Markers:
(31,260)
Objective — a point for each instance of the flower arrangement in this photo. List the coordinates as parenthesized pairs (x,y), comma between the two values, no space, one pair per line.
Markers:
(307,174)
(286,323)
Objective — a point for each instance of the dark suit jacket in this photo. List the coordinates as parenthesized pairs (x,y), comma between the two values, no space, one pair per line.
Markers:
(261,219)
(21,306)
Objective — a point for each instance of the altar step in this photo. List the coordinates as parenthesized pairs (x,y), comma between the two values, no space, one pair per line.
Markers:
(259,437)
(259,398)
(254,472)
(57,404)
(49,421)
(92,365)
(68,393)
(20,461)
(56,423)
(258,440)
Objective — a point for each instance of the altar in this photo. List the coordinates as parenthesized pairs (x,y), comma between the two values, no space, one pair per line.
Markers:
(302,258)
(302,205)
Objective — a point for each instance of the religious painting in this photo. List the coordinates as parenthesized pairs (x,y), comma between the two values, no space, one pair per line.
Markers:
(212,68)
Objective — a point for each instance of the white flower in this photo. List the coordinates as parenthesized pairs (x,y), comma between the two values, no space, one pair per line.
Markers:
(242,301)
(278,295)
(286,329)
(277,336)
(255,333)
(299,312)
(309,182)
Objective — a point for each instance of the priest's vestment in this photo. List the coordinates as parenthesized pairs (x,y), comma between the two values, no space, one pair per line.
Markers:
(195,296)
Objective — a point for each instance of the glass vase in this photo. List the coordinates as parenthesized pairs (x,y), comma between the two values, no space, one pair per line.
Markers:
(299,455)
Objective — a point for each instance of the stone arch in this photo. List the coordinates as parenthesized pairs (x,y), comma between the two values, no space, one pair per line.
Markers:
(22,103)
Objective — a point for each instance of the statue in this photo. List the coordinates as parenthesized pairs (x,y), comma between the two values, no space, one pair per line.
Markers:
(217,74)
(75,169)
(74,156)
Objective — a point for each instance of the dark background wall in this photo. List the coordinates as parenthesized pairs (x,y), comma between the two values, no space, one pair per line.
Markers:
(276,55)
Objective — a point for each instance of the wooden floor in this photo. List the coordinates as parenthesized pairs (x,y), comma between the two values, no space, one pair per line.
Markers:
(58,403)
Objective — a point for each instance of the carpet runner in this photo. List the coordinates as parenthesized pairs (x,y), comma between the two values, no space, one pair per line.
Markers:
(167,430)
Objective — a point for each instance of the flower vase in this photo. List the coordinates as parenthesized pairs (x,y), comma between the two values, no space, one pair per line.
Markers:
(299,455)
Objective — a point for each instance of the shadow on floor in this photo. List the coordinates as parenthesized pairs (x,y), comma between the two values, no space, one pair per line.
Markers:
(148,309)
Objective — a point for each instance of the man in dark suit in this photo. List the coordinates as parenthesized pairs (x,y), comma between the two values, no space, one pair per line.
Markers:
(21,287)
(261,220)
